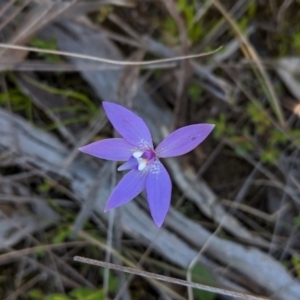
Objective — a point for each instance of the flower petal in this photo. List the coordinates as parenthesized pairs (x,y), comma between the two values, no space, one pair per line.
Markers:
(183,140)
(110,149)
(128,188)
(158,188)
(131,127)
(132,163)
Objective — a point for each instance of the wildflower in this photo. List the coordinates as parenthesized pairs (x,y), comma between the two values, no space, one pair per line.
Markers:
(136,148)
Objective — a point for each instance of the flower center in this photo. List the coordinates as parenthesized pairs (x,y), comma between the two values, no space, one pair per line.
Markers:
(144,158)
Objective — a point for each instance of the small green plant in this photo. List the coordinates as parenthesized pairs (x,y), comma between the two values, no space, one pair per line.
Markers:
(199,271)
(81,104)
(170,31)
(242,144)
(297,221)
(62,235)
(252,9)
(17,101)
(195,91)
(195,31)
(188,10)
(258,117)
(222,128)
(86,294)
(296,264)
(57,297)
(296,40)
(103,12)
(270,155)
(36,294)
(50,44)
(243,23)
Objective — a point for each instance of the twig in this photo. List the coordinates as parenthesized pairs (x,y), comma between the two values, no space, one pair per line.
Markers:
(14,14)
(109,237)
(16,254)
(35,65)
(166,278)
(108,61)
(116,254)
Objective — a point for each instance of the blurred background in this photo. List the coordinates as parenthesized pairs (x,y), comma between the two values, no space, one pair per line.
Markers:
(234,221)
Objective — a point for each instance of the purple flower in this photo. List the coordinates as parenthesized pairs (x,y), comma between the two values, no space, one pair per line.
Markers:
(136,148)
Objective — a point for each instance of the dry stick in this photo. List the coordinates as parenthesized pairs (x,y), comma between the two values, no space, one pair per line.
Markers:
(14,14)
(32,65)
(109,237)
(166,278)
(30,24)
(124,26)
(16,254)
(282,9)
(248,209)
(108,61)
(50,17)
(6,7)
(116,254)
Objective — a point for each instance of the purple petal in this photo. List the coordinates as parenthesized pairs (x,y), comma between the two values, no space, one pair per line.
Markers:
(131,127)
(128,188)
(132,163)
(110,149)
(158,188)
(183,140)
